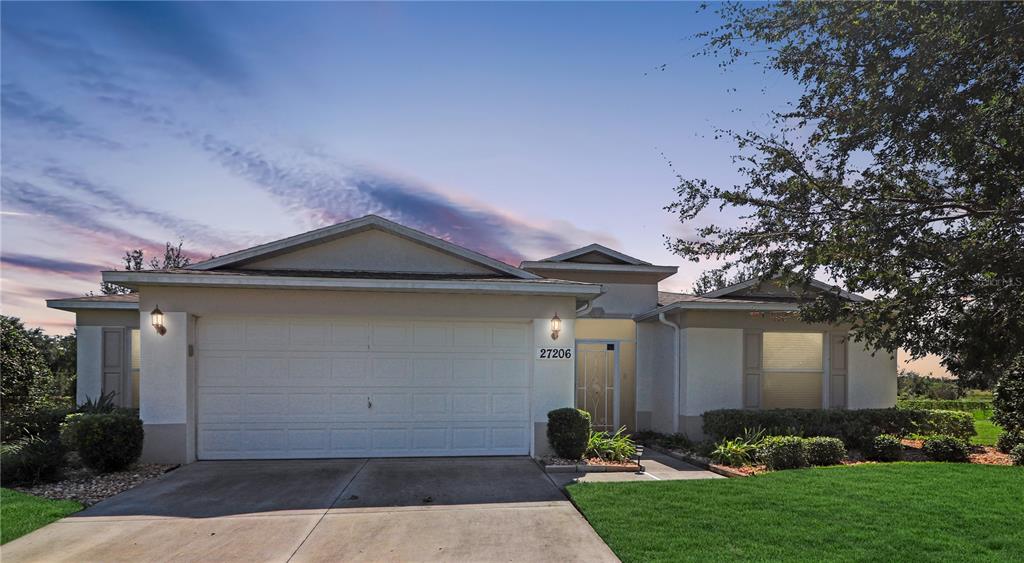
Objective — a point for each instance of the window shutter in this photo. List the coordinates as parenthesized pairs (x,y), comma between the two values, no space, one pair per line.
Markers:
(838,371)
(752,370)
(113,363)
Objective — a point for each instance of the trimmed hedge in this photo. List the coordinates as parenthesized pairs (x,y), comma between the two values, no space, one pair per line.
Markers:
(854,427)
(105,441)
(945,405)
(822,450)
(783,452)
(945,448)
(884,447)
(568,432)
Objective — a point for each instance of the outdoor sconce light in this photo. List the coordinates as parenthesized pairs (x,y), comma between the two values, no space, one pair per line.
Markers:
(157,316)
(556,326)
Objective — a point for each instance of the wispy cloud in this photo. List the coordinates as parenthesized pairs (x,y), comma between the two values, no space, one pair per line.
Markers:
(193,232)
(330,192)
(49,265)
(19,105)
(66,213)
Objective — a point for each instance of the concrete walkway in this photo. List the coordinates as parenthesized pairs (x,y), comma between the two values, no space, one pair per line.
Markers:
(462,509)
(658,467)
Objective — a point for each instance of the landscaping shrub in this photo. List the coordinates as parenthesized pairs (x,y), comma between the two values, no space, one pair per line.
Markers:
(1009,440)
(824,450)
(782,452)
(1017,454)
(884,447)
(105,441)
(1008,398)
(854,427)
(31,449)
(568,432)
(617,447)
(947,423)
(966,405)
(945,448)
(678,441)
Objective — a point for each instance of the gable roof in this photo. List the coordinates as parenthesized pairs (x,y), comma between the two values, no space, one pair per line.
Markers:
(729,290)
(325,234)
(614,255)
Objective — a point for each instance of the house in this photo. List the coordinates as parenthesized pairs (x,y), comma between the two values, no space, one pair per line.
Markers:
(368,338)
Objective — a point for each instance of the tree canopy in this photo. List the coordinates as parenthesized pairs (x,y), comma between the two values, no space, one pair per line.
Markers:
(897,171)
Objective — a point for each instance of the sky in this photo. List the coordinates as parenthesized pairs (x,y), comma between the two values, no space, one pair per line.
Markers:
(520,130)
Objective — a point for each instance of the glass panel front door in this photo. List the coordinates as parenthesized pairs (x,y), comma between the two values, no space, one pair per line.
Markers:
(596,365)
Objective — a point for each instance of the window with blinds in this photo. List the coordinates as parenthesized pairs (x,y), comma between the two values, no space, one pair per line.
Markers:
(792,368)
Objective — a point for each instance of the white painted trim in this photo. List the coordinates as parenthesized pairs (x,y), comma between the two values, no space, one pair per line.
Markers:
(71,305)
(725,305)
(354,226)
(599,249)
(514,287)
(587,267)
(753,281)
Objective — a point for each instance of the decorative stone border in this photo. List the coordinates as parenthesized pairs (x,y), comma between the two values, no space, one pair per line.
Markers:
(702,462)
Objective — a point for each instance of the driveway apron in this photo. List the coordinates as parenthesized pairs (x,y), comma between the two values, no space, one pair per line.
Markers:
(412,509)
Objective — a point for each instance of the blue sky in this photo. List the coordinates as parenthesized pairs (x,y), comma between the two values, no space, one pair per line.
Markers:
(520,130)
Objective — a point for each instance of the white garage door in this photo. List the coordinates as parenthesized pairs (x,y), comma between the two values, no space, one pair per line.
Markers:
(312,387)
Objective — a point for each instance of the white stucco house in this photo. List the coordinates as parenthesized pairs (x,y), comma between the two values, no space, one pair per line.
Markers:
(368,338)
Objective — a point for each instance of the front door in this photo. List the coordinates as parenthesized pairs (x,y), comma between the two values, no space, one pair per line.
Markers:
(597,373)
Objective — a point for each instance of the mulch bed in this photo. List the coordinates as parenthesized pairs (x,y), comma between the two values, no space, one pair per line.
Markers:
(984,455)
(88,488)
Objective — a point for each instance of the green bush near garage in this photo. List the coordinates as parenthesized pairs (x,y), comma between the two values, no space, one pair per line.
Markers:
(105,441)
(569,432)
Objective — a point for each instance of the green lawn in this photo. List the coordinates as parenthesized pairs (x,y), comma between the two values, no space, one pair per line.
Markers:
(21,513)
(879,512)
(988,432)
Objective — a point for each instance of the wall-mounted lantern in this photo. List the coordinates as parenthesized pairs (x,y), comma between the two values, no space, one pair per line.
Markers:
(556,326)
(157,317)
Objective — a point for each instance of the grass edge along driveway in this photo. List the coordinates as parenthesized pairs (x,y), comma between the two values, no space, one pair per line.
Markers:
(21,513)
(882,512)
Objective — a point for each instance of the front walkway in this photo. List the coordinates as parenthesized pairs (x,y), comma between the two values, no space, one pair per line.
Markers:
(658,467)
(465,509)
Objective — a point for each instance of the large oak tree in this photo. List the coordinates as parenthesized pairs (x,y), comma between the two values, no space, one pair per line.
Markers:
(897,172)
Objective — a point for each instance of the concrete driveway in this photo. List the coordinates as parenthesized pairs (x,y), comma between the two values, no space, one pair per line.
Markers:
(479,509)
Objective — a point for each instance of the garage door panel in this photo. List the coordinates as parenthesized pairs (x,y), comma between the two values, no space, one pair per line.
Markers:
(311,387)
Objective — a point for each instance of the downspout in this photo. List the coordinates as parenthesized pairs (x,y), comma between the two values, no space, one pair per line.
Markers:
(675,365)
(585,308)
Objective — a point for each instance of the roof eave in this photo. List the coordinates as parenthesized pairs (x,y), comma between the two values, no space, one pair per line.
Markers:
(73,306)
(510,287)
(724,306)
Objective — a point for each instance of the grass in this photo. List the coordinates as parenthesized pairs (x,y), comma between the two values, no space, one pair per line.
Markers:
(987,431)
(21,513)
(878,512)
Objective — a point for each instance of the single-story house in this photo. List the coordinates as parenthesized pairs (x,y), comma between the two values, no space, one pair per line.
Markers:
(368,338)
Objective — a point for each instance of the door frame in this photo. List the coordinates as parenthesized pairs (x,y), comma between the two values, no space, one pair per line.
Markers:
(617,381)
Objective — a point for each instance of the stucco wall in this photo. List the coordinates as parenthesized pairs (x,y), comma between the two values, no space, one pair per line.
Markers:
(713,376)
(553,380)
(626,299)
(872,378)
(370,250)
(118,317)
